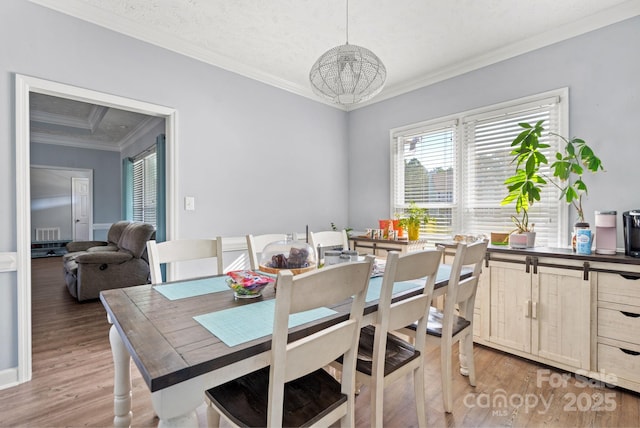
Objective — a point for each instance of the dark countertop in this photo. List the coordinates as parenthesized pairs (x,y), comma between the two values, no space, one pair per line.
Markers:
(563,253)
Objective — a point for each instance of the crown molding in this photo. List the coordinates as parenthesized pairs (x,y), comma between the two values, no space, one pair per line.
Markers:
(80,143)
(86,143)
(86,12)
(611,16)
(143,128)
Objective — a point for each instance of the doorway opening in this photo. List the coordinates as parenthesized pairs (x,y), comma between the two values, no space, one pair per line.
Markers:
(26,85)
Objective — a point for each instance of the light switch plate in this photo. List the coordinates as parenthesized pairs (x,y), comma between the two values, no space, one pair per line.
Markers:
(190,203)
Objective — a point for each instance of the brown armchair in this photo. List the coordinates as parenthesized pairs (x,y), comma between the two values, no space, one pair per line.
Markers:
(89,272)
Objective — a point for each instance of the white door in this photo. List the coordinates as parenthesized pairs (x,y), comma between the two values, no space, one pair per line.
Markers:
(81,208)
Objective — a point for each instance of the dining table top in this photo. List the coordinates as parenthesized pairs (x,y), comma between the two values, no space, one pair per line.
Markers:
(169,346)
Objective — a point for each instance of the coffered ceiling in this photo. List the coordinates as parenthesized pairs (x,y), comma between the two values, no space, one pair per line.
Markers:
(66,122)
(419,41)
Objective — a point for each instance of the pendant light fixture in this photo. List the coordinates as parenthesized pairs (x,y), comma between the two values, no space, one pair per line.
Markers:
(348,74)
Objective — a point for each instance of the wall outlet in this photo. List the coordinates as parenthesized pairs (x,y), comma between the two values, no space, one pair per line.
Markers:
(190,203)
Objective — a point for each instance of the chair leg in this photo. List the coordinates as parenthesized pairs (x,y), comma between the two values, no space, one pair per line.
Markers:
(418,385)
(466,346)
(445,371)
(377,398)
(213,417)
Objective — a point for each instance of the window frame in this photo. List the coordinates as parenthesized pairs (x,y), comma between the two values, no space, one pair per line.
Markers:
(460,176)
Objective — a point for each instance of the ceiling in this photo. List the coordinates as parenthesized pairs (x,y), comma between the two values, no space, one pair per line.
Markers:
(66,122)
(419,41)
(276,42)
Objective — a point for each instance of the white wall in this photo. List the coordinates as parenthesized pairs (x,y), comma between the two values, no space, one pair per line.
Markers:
(602,71)
(255,157)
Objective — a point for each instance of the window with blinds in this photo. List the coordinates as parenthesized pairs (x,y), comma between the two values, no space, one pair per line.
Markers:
(425,174)
(144,188)
(456,168)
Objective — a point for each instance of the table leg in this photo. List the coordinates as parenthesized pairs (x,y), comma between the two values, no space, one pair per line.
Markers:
(176,405)
(121,381)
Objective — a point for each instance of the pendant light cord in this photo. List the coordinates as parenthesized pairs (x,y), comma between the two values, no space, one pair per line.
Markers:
(347,19)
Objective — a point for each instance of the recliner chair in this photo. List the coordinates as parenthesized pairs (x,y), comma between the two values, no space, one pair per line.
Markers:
(89,272)
(111,244)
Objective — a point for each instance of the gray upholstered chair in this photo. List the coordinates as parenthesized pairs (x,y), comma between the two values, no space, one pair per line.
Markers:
(89,272)
(111,244)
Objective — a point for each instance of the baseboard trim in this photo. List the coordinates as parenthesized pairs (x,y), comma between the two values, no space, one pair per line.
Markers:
(8,378)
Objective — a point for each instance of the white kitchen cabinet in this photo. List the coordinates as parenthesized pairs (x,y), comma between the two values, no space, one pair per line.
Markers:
(578,313)
(537,311)
(618,324)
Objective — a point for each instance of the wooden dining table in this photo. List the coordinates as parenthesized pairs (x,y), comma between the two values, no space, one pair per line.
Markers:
(179,358)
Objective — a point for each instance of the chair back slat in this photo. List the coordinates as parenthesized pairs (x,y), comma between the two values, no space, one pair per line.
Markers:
(422,265)
(320,349)
(336,284)
(256,243)
(404,312)
(182,250)
(328,239)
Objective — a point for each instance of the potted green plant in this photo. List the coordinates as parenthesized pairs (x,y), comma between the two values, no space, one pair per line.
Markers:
(413,217)
(526,183)
(570,163)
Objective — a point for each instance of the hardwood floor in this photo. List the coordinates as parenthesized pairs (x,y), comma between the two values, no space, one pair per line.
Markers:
(73,380)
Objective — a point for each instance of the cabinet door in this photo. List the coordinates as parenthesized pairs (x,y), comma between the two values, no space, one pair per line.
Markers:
(561,316)
(510,296)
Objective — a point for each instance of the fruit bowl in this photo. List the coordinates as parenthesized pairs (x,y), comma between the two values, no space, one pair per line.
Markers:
(247,284)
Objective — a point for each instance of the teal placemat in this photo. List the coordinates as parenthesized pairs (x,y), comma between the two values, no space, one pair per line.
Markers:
(248,322)
(375,284)
(191,288)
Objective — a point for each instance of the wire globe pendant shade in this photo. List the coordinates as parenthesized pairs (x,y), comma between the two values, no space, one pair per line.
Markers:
(348,74)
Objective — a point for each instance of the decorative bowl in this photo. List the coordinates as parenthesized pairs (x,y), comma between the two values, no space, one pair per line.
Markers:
(248,284)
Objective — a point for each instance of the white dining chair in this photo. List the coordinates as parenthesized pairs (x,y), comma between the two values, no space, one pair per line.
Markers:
(383,357)
(256,243)
(294,390)
(182,250)
(328,239)
(455,322)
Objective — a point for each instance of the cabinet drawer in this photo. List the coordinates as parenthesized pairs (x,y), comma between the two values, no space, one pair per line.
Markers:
(619,325)
(618,289)
(623,362)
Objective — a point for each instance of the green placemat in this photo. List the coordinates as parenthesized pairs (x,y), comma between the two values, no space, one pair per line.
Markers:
(191,288)
(244,323)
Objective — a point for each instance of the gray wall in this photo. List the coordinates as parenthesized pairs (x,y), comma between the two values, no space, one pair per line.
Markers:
(51,199)
(601,70)
(106,174)
(257,159)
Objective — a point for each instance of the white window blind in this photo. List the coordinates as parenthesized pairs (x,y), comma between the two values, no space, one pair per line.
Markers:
(144,188)
(487,163)
(456,168)
(425,174)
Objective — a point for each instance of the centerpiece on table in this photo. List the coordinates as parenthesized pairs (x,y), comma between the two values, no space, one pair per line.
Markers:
(296,256)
